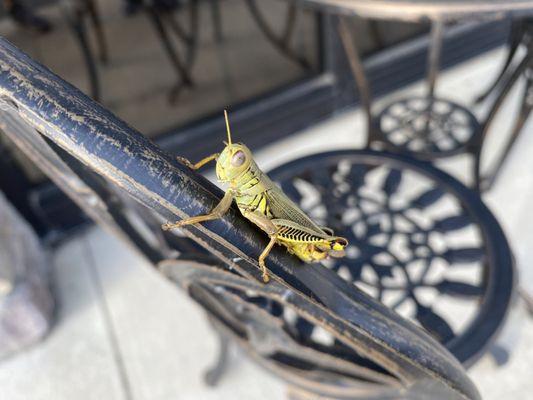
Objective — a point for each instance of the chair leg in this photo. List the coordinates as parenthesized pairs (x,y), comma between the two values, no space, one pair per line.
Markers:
(96,21)
(528,299)
(184,77)
(525,111)
(437,32)
(279,41)
(78,27)
(518,30)
(486,180)
(214,373)
(351,50)
(217,21)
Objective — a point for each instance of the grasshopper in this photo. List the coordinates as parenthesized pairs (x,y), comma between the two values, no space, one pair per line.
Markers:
(264,204)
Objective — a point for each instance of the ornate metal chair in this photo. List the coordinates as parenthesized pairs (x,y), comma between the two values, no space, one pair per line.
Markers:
(421,242)
(394,258)
(430,127)
(317,331)
(425,127)
(417,241)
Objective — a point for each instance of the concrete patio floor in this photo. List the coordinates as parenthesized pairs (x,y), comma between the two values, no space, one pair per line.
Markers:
(123,332)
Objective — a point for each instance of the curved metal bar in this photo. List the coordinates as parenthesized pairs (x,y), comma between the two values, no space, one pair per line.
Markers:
(498,102)
(358,71)
(281,42)
(94,15)
(189,39)
(267,340)
(515,38)
(77,25)
(181,69)
(488,178)
(124,157)
(215,373)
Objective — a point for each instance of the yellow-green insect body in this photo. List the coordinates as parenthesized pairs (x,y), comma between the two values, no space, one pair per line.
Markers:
(263,203)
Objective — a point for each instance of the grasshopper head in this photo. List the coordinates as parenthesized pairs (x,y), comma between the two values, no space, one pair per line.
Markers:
(234,159)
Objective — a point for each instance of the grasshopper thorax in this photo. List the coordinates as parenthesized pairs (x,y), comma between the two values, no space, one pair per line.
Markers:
(234,160)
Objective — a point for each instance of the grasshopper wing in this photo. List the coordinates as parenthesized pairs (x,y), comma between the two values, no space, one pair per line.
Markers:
(284,208)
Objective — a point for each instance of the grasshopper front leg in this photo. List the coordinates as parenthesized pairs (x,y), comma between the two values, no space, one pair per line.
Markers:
(220,209)
(200,163)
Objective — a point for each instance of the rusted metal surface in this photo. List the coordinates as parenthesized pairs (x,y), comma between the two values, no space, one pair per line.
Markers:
(406,358)
(416,10)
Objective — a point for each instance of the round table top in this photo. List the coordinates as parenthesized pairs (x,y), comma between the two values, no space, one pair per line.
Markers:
(412,10)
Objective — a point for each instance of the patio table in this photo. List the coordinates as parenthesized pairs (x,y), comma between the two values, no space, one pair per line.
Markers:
(417,10)
(428,126)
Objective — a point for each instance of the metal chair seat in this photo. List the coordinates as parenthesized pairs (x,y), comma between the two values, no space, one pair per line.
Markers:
(428,128)
(420,241)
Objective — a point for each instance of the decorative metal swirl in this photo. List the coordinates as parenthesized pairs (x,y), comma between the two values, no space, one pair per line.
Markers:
(414,244)
(427,126)
(270,322)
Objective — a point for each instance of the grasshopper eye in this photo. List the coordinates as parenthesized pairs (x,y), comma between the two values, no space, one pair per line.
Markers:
(238,159)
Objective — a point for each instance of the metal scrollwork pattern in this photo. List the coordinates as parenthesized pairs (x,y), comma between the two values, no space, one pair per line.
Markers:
(414,243)
(426,126)
(268,322)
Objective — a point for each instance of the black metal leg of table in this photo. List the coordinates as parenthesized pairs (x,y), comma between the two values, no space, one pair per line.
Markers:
(484,181)
(280,42)
(96,21)
(78,27)
(437,31)
(216,17)
(528,299)
(373,27)
(515,38)
(181,70)
(215,372)
(190,37)
(489,179)
(358,71)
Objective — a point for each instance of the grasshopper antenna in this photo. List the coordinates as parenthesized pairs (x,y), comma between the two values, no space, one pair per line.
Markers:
(227,127)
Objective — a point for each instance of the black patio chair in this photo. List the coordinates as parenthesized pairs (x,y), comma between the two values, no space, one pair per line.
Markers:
(127,184)
(76,13)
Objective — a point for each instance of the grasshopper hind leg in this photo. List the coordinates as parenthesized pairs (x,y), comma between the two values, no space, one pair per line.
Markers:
(264,254)
(271,229)
(220,209)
